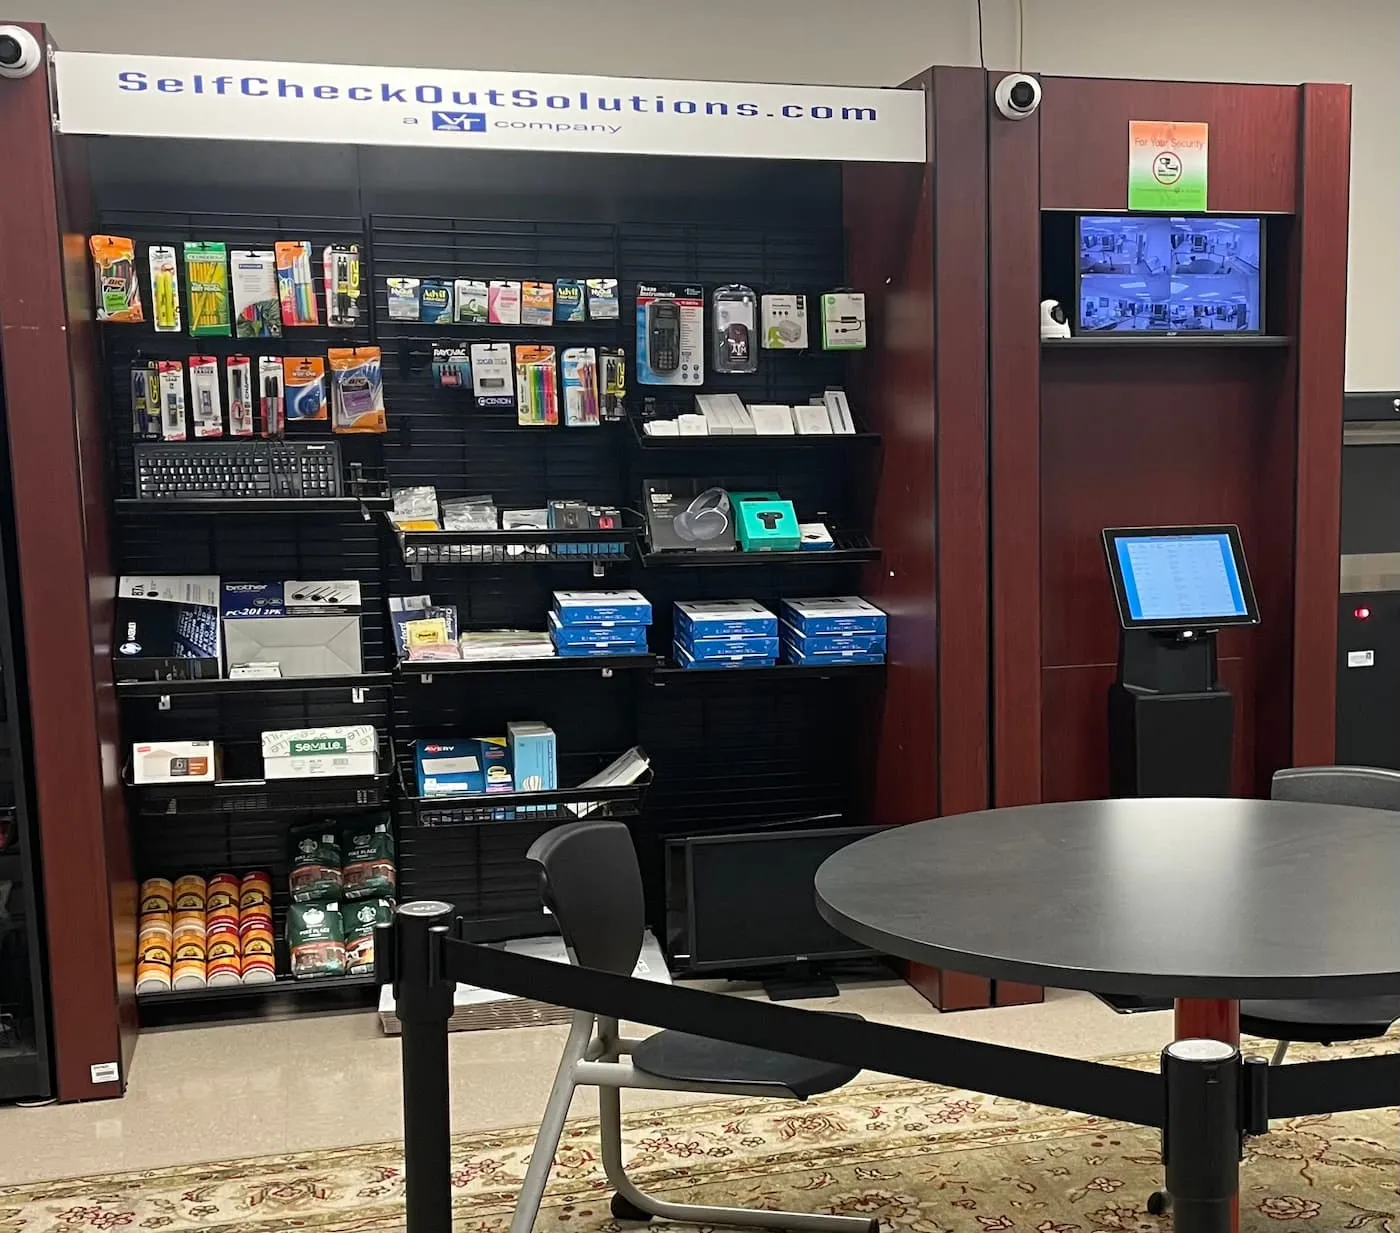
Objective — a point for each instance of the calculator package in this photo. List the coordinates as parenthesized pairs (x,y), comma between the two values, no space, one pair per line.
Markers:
(357,389)
(670,335)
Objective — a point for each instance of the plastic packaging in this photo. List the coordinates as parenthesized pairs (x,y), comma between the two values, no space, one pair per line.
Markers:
(734,322)
(114,277)
(357,393)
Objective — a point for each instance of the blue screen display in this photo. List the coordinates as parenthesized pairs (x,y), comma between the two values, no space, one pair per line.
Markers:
(1180,577)
(1169,275)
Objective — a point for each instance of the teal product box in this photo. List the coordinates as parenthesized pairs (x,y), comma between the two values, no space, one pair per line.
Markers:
(833,644)
(749,646)
(723,618)
(839,614)
(602,607)
(627,636)
(766,525)
(458,767)
(792,655)
(534,759)
(685,659)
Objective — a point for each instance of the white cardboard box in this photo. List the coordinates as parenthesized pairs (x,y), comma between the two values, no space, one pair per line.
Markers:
(173,762)
(319,753)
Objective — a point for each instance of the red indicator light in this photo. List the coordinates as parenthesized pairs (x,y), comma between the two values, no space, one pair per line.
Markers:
(1361,613)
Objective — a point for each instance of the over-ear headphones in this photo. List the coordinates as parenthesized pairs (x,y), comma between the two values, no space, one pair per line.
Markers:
(705,518)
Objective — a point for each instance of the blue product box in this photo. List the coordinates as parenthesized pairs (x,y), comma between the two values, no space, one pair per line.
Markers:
(685,659)
(793,655)
(841,614)
(601,649)
(601,607)
(833,644)
(744,645)
(612,633)
(534,759)
(723,618)
(455,767)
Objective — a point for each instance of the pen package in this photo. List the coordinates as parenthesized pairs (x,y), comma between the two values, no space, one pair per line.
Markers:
(340,269)
(305,387)
(579,373)
(145,400)
(272,407)
(452,368)
(503,303)
(536,303)
(257,311)
(165,289)
(492,382)
(240,396)
(172,400)
(114,277)
(295,289)
(357,389)
(206,280)
(536,386)
(208,415)
(612,384)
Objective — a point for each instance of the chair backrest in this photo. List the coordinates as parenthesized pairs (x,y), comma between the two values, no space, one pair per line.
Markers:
(1369,786)
(590,880)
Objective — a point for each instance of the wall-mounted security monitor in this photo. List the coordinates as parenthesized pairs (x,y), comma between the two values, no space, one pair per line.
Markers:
(1156,274)
(1180,577)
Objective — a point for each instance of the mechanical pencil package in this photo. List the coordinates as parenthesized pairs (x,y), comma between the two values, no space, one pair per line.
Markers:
(114,274)
(357,390)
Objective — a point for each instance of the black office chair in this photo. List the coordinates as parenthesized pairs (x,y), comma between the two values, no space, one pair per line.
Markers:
(591,882)
(1327,1021)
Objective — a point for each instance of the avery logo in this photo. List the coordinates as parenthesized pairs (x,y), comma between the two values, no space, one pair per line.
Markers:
(459,121)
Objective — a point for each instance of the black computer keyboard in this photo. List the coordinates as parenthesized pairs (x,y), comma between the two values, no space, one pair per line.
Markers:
(195,470)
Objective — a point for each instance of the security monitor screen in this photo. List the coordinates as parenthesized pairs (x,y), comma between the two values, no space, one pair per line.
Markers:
(1180,577)
(1157,275)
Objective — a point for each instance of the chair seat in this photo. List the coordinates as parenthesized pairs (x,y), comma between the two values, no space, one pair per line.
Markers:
(683,1058)
(1321,1021)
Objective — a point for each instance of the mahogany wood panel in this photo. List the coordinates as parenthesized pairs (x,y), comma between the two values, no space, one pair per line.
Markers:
(950,990)
(1013,224)
(1084,140)
(56,594)
(960,307)
(1014,993)
(1322,208)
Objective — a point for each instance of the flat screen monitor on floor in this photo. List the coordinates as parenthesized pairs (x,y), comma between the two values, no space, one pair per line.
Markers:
(1180,577)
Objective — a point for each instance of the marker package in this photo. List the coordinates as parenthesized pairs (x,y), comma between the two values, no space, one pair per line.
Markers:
(204,396)
(402,298)
(272,416)
(357,390)
(295,290)
(492,380)
(145,400)
(165,289)
(340,269)
(305,387)
(470,297)
(503,303)
(172,400)
(257,310)
(114,276)
(536,303)
(536,386)
(579,373)
(240,396)
(206,280)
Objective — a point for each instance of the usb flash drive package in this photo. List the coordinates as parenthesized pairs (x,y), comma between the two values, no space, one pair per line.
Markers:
(240,396)
(295,288)
(272,415)
(503,303)
(172,400)
(206,280)
(208,414)
(580,377)
(165,289)
(492,378)
(257,312)
(340,272)
(305,386)
(402,298)
(536,303)
(470,296)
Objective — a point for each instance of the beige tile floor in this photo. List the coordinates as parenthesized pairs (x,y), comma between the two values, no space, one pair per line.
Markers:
(244,1089)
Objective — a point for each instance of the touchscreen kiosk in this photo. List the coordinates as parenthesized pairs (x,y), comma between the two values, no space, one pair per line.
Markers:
(1171,724)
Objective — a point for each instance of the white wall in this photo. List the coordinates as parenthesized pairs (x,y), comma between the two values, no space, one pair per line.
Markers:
(876,42)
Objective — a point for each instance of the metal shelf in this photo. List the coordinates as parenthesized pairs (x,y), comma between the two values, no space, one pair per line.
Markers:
(254,505)
(456,548)
(851,547)
(425,670)
(1187,339)
(667,673)
(252,685)
(755,441)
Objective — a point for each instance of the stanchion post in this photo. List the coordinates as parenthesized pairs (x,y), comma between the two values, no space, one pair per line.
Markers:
(1201,1136)
(423,1003)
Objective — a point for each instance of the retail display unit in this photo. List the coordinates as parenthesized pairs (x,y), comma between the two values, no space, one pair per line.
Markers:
(787,192)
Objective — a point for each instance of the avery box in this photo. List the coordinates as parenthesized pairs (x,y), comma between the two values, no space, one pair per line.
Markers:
(457,767)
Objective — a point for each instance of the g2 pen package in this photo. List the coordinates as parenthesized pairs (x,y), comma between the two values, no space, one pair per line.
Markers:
(612,384)
(357,390)
(204,395)
(145,400)
(340,269)
(305,387)
(670,335)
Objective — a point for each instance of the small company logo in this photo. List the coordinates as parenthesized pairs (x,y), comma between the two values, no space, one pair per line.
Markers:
(1166,167)
(459,121)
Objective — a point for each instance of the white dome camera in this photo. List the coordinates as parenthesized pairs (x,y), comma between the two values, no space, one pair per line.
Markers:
(20,54)
(1017,95)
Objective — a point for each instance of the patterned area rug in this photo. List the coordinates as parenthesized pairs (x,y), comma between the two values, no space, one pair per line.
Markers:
(917,1157)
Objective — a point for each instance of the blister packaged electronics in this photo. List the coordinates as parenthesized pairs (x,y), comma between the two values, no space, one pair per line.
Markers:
(470,514)
(734,329)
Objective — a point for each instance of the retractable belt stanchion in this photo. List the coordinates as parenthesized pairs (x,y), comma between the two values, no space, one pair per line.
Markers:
(409,955)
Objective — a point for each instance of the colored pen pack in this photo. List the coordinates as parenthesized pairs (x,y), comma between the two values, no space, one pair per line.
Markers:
(114,275)
(536,386)
(305,387)
(357,390)
(295,289)
(257,311)
(206,281)
(580,377)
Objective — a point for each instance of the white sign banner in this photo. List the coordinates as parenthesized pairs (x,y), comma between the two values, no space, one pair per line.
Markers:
(265,100)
